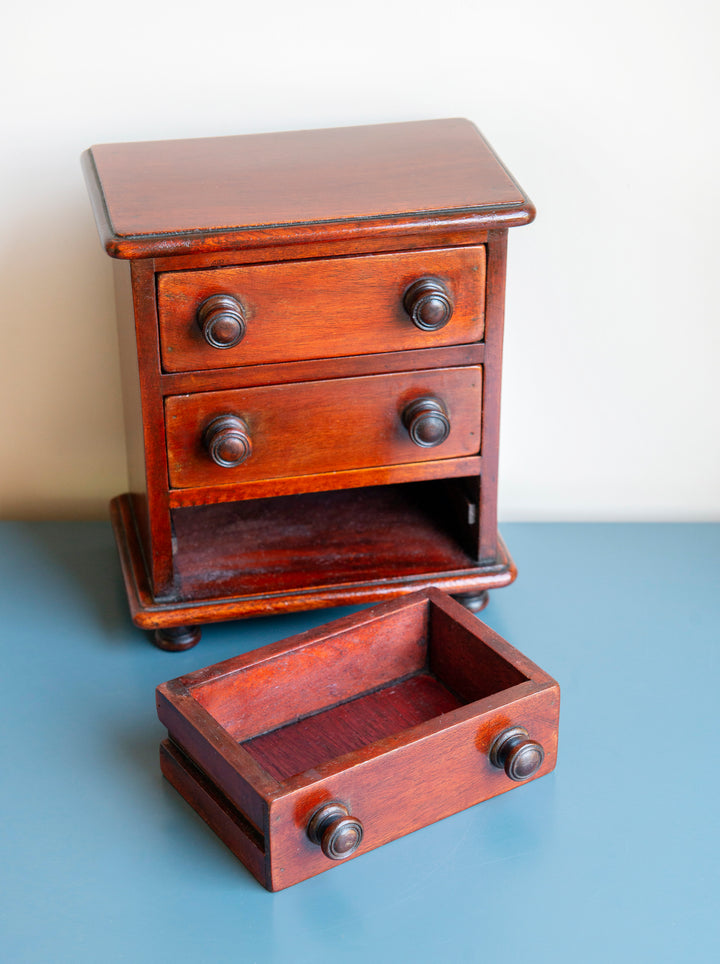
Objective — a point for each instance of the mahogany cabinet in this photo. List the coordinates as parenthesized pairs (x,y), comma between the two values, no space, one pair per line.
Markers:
(321,747)
(311,339)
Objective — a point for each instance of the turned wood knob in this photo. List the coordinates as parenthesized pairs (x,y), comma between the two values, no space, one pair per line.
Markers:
(428,303)
(516,754)
(227,440)
(333,829)
(222,321)
(427,422)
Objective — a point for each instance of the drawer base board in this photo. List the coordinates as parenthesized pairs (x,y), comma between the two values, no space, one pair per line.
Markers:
(454,572)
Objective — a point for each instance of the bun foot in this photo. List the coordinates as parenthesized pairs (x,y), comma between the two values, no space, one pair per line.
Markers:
(176,638)
(474,601)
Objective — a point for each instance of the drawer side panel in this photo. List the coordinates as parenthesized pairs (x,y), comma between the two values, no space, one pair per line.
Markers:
(216,810)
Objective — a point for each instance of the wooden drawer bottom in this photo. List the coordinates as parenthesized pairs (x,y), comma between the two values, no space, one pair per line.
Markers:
(311,751)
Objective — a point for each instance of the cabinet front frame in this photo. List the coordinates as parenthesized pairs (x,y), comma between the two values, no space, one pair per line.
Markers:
(146,386)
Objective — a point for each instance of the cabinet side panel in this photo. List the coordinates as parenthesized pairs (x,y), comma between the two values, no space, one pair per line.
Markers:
(132,401)
(495,317)
(144,424)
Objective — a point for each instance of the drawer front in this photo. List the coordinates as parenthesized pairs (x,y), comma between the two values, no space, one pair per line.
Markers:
(308,428)
(401,790)
(228,317)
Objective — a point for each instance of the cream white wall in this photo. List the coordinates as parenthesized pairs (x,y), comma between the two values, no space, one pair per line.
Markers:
(606,113)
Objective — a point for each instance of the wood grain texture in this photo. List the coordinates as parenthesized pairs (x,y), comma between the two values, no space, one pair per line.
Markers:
(309,742)
(329,256)
(383,534)
(293,584)
(328,482)
(319,308)
(462,231)
(458,615)
(281,373)
(397,786)
(407,753)
(469,668)
(211,748)
(314,427)
(495,321)
(134,387)
(343,627)
(144,417)
(279,689)
(165,197)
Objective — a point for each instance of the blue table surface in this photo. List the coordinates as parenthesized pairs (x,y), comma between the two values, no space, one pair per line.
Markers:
(614,856)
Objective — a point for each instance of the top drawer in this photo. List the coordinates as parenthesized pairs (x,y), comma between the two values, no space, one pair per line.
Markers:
(288,311)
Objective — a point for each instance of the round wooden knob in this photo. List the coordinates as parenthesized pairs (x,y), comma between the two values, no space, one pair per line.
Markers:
(227,440)
(222,321)
(427,422)
(428,303)
(333,829)
(516,754)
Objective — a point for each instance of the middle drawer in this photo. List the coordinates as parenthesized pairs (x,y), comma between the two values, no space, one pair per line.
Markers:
(332,425)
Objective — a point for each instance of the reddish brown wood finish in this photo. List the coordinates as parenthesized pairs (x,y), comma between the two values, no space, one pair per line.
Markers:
(345,728)
(171,197)
(322,234)
(425,233)
(373,721)
(281,684)
(144,417)
(283,373)
(314,427)
(381,554)
(320,309)
(487,529)
(329,481)
(385,535)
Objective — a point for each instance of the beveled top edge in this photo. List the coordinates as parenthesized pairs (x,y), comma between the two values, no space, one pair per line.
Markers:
(158,198)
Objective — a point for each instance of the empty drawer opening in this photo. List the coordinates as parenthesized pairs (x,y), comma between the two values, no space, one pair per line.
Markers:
(292,543)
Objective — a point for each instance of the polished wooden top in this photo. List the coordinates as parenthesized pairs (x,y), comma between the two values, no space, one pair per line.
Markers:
(165,197)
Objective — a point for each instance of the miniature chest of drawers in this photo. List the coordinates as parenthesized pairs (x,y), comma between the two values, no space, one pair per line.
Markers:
(311,337)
